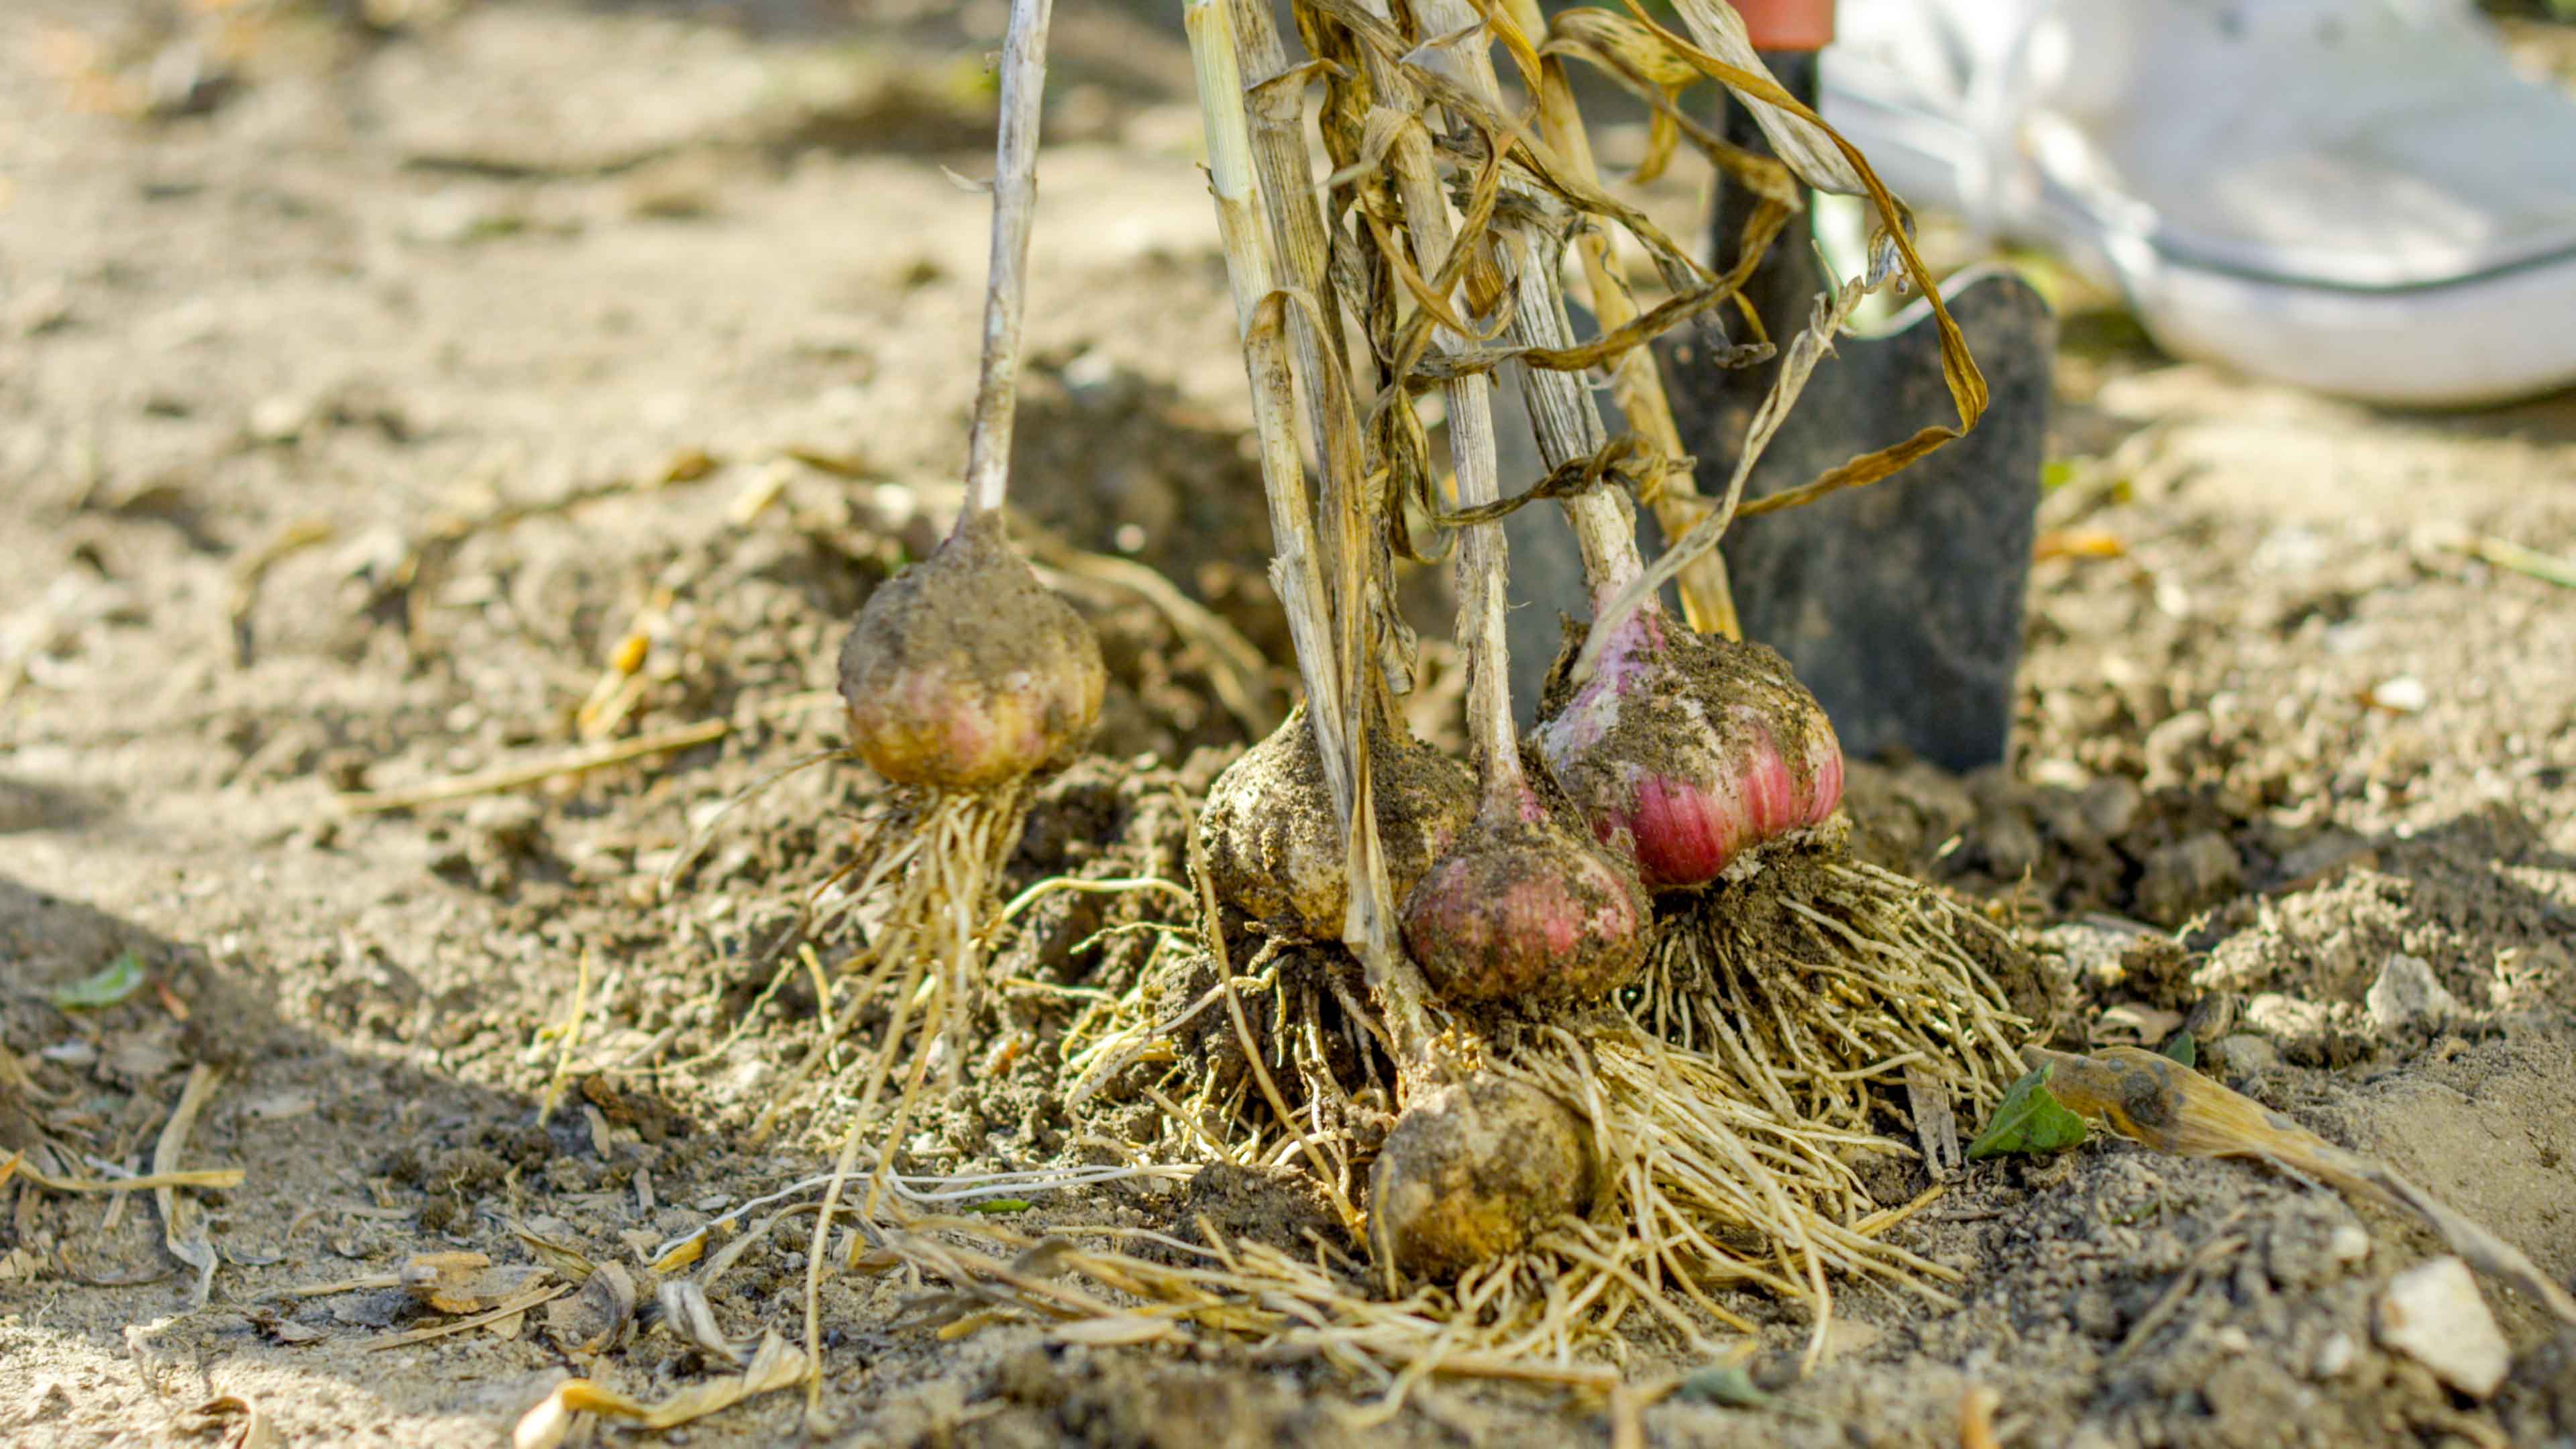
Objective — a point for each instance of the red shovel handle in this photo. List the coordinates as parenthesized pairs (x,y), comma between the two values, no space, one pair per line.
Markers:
(1788,24)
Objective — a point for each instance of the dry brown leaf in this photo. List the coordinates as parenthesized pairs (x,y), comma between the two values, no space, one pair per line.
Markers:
(686,1312)
(1820,157)
(567,1262)
(244,1423)
(680,1254)
(590,1321)
(777,1365)
(1793,128)
(1797,363)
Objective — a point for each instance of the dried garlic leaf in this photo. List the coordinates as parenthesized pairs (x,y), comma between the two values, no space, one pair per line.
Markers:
(686,1312)
(775,1366)
(590,1320)
(568,1263)
(464,1282)
(2164,1105)
(245,1425)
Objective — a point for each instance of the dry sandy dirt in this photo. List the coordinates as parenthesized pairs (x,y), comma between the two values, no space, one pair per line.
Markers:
(364,386)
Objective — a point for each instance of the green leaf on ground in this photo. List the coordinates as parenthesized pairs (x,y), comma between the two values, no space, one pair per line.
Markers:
(107,986)
(2029,1119)
(1725,1384)
(2182,1048)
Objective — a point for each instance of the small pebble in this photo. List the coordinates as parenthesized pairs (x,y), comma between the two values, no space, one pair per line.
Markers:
(2407,993)
(2176,749)
(2247,1055)
(2011,846)
(76,1052)
(280,419)
(2322,854)
(2187,877)
(2111,805)
(2435,1316)
(2404,694)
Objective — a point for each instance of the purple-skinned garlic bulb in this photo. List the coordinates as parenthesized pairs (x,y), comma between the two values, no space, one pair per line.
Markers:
(964,672)
(1526,910)
(1523,908)
(1685,750)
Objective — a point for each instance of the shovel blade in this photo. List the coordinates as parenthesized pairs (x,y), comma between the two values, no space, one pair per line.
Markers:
(1900,602)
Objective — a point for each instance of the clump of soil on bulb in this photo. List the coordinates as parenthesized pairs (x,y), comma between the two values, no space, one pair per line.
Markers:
(1274,850)
(1473,1172)
(965,673)
(1686,750)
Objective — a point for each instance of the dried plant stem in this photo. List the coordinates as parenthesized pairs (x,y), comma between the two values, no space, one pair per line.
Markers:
(181,1230)
(1006,288)
(222,1179)
(1280,287)
(1483,557)
(1270,92)
(1708,602)
(1349,547)
(1482,565)
(1295,571)
(514,777)
(1567,422)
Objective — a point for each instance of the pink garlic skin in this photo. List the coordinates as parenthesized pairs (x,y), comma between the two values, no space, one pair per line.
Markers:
(1526,912)
(1717,780)
(952,731)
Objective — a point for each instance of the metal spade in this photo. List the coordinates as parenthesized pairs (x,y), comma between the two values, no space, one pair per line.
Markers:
(1899,603)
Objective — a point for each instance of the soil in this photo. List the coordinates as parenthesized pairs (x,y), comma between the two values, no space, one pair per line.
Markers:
(397,392)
